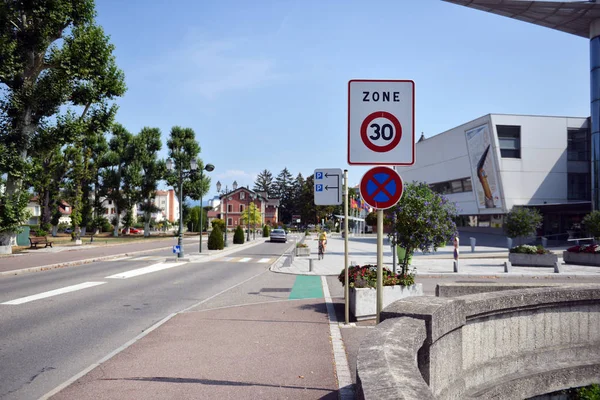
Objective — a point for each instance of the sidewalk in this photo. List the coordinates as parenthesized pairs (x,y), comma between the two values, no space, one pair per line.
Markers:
(484,261)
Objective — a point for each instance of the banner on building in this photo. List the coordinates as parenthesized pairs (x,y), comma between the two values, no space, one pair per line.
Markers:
(484,170)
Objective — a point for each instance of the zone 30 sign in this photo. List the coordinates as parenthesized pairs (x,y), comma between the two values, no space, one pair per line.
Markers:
(381,122)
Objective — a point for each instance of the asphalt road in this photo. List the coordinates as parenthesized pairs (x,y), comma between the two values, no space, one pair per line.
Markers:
(46,341)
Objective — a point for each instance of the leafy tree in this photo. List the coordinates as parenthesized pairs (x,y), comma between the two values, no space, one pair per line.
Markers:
(195,218)
(217,222)
(238,236)
(522,221)
(371,219)
(215,240)
(147,145)
(251,215)
(264,182)
(52,53)
(424,220)
(591,223)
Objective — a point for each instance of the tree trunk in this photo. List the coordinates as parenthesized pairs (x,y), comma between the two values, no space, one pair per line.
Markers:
(54,230)
(117,221)
(147,217)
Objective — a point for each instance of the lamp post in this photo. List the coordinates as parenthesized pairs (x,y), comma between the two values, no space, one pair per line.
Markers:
(248,214)
(182,173)
(208,168)
(226,193)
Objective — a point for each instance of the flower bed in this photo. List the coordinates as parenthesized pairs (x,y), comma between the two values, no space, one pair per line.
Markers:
(302,251)
(584,255)
(363,295)
(532,256)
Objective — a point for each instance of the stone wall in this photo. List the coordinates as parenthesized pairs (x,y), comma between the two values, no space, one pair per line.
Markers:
(508,344)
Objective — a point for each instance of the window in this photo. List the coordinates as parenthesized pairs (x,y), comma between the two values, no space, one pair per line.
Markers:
(241,208)
(509,137)
(229,208)
(467,185)
(579,187)
(229,221)
(578,145)
(110,202)
(454,186)
(242,195)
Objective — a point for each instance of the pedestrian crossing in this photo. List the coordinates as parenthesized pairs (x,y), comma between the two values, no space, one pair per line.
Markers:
(268,260)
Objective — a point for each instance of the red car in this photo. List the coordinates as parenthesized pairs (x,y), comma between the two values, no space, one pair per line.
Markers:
(134,231)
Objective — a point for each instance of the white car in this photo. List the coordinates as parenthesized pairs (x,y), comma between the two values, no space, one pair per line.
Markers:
(278,235)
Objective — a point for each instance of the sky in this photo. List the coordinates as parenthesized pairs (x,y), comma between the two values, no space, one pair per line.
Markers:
(264,84)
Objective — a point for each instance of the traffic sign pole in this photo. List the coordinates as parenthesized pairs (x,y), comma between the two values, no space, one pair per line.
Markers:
(379,263)
(347,285)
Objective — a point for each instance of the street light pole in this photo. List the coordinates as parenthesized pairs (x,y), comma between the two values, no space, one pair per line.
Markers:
(181,172)
(248,216)
(226,205)
(209,168)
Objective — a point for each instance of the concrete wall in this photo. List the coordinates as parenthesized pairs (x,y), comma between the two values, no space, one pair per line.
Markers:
(509,344)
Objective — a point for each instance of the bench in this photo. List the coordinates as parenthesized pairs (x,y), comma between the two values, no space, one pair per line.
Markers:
(34,241)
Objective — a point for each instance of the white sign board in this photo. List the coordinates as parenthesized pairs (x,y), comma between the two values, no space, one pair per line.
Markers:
(328,186)
(381,126)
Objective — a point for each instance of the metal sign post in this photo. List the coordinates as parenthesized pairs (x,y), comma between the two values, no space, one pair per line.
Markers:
(347,285)
(379,263)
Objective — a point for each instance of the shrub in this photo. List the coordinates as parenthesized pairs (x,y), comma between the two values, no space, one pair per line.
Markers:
(366,276)
(266,231)
(528,249)
(301,245)
(238,236)
(215,240)
(592,248)
(591,222)
(220,223)
(522,221)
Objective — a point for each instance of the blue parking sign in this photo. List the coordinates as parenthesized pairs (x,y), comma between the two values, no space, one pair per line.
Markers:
(319,188)
(318,175)
(176,249)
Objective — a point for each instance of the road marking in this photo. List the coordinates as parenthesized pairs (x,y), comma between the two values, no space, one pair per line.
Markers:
(227,259)
(145,270)
(306,287)
(119,258)
(245,259)
(264,260)
(54,292)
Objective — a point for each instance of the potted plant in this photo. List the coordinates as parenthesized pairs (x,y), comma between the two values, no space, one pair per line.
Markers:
(533,256)
(302,250)
(363,296)
(424,221)
(582,255)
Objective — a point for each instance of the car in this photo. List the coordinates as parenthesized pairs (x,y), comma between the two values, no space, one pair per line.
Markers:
(278,235)
(68,230)
(132,231)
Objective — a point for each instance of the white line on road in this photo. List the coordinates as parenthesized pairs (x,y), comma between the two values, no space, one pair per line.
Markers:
(264,260)
(245,259)
(55,292)
(119,259)
(145,270)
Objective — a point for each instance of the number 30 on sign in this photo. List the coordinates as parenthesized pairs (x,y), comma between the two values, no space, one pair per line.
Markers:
(381,122)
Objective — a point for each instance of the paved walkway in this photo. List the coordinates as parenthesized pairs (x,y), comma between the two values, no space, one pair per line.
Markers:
(282,341)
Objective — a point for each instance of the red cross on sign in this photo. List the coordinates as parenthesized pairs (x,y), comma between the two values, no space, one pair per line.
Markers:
(381,187)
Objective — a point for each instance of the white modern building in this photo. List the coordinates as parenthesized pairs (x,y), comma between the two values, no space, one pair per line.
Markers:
(488,165)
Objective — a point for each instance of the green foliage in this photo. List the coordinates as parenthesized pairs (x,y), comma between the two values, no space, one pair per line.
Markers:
(194,220)
(371,219)
(217,222)
(238,236)
(591,392)
(424,221)
(215,240)
(522,221)
(13,213)
(366,277)
(266,231)
(528,249)
(591,222)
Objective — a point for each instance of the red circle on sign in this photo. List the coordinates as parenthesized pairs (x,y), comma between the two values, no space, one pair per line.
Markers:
(380,185)
(365,126)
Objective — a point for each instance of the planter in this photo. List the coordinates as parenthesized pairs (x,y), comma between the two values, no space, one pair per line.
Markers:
(363,301)
(533,260)
(401,252)
(78,242)
(581,258)
(6,249)
(302,251)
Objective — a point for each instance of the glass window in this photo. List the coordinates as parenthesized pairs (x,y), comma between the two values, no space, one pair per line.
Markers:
(229,222)
(467,185)
(578,187)
(229,208)
(578,148)
(242,195)
(509,137)
(456,186)
(241,208)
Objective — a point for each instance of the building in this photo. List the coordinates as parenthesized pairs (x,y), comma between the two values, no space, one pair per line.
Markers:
(231,207)
(36,212)
(580,18)
(488,165)
(167,202)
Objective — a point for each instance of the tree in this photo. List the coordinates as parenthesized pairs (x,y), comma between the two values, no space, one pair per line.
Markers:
(591,222)
(215,240)
(264,183)
(52,53)
(251,215)
(238,236)
(283,189)
(424,220)
(266,231)
(195,219)
(371,219)
(522,221)
(217,222)
(148,143)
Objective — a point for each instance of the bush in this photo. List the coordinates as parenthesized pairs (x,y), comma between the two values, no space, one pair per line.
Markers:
(522,221)
(591,222)
(528,249)
(592,248)
(238,236)
(301,245)
(366,276)
(220,223)
(266,231)
(215,240)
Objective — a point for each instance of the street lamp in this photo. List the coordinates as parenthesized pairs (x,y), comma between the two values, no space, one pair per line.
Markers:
(248,216)
(226,193)
(182,173)
(208,168)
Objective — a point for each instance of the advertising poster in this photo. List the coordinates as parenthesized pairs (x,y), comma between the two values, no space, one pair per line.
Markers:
(484,173)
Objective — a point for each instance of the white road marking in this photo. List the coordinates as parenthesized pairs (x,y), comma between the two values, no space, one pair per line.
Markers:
(55,292)
(264,260)
(227,258)
(145,270)
(245,259)
(119,258)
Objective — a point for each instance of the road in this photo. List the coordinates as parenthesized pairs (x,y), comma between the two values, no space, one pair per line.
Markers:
(45,341)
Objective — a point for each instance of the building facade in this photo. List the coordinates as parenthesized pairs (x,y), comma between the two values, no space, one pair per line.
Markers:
(495,162)
(231,207)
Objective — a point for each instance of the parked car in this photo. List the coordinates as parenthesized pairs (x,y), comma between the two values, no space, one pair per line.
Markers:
(134,231)
(278,235)
(68,230)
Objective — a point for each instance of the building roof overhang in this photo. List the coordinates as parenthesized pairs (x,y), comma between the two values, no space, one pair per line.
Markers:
(571,17)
